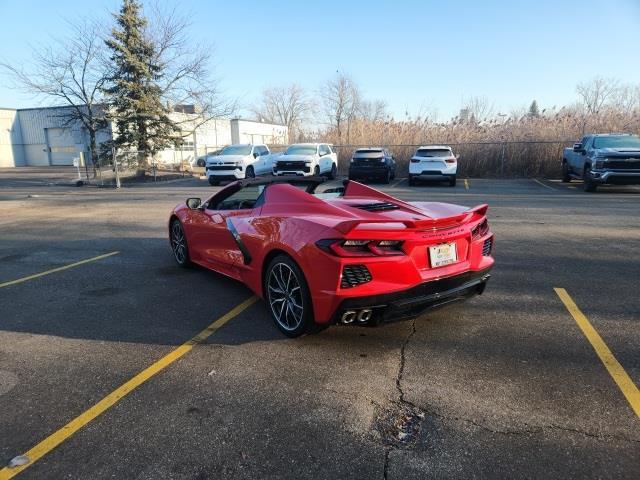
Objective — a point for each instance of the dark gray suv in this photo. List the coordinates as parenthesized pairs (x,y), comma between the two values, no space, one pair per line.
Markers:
(372,163)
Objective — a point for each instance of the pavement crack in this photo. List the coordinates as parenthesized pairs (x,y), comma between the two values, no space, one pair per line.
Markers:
(399,422)
(400,374)
(531,430)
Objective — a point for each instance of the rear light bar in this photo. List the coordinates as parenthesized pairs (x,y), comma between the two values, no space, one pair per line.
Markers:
(480,230)
(361,248)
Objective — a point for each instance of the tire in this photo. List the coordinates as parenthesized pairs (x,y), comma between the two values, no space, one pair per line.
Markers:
(213,182)
(179,246)
(412,181)
(452,181)
(387,178)
(566,178)
(334,172)
(250,173)
(288,298)
(588,184)
(316,171)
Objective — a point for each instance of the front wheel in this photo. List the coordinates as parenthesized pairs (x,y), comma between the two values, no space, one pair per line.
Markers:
(387,177)
(566,177)
(334,172)
(288,297)
(179,244)
(250,173)
(589,185)
(213,182)
(316,171)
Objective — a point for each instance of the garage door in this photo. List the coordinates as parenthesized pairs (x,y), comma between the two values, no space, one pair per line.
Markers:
(61,145)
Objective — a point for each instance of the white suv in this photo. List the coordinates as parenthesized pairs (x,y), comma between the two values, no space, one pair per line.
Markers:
(235,162)
(433,162)
(305,159)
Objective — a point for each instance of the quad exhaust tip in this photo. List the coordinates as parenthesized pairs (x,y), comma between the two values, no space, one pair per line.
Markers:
(365,315)
(348,317)
(362,316)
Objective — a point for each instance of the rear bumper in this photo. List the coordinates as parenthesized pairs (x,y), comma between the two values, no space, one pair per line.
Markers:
(616,177)
(368,172)
(412,302)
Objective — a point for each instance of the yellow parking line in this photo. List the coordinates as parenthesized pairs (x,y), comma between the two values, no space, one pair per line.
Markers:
(59,269)
(400,180)
(466,184)
(619,375)
(56,438)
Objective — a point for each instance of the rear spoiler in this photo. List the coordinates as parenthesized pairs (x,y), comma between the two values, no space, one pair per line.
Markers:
(427,224)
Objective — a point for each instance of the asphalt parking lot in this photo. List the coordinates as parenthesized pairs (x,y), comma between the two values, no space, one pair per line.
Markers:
(506,385)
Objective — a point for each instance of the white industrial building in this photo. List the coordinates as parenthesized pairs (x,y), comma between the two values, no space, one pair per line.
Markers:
(44,137)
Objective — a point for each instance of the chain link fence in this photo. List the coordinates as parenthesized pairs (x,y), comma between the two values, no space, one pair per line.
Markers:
(115,167)
(533,158)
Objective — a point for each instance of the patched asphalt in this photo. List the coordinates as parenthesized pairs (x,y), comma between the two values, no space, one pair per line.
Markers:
(502,386)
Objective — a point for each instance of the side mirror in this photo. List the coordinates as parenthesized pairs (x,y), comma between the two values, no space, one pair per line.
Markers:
(256,154)
(194,203)
(577,147)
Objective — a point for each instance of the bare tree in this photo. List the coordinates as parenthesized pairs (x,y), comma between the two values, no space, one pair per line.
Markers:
(373,110)
(341,99)
(72,71)
(479,109)
(595,93)
(288,105)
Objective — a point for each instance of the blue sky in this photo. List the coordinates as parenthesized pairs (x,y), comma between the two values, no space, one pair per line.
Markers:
(412,54)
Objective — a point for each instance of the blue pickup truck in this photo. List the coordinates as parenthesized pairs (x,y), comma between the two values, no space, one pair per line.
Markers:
(605,158)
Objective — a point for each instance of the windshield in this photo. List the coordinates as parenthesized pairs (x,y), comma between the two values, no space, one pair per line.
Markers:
(236,150)
(626,141)
(434,152)
(301,150)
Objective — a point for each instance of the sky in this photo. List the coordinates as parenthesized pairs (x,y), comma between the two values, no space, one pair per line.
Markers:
(418,56)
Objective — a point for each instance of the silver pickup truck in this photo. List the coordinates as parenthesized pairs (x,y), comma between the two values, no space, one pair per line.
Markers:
(605,158)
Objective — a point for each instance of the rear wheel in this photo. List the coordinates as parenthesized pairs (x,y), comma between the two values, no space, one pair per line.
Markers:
(588,184)
(412,181)
(566,177)
(452,181)
(250,173)
(179,244)
(288,297)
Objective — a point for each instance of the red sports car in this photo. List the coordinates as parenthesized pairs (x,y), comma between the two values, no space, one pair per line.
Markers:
(321,256)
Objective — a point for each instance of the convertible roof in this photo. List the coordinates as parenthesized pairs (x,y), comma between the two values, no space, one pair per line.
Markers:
(317,180)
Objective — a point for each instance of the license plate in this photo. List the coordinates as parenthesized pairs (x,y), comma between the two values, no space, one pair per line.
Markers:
(443,254)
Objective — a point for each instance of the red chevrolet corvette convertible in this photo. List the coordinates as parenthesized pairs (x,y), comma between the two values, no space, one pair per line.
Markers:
(348,254)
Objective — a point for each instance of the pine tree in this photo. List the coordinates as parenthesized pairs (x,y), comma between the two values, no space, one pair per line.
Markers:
(534,111)
(142,121)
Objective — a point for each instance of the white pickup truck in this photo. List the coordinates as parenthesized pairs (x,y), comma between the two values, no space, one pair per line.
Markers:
(306,159)
(235,162)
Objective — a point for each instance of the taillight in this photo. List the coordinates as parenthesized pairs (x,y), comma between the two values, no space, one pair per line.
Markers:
(450,160)
(415,160)
(361,248)
(480,230)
